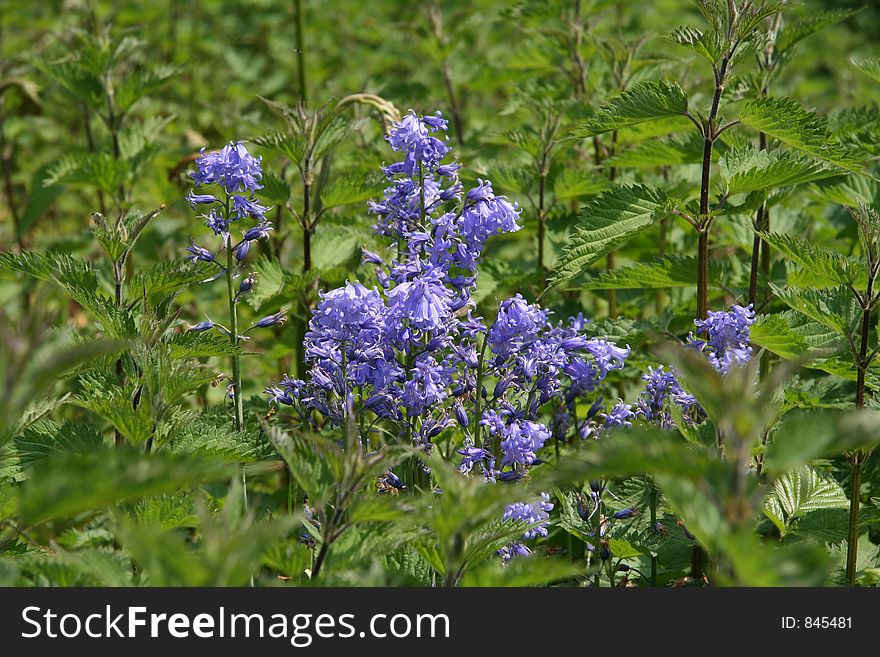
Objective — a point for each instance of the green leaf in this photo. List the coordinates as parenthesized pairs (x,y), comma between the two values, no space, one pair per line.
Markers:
(669,151)
(270,280)
(799,492)
(163,278)
(45,439)
(100,170)
(646,101)
(216,438)
(870,67)
(826,268)
(834,308)
(41,197)
(800,28)
(70,484)
(577,183)
(773,333)
(784,119)
(750,170)
(608,221)
(708,45)
(199,344)
(346,190)
(805,435)
(674,271)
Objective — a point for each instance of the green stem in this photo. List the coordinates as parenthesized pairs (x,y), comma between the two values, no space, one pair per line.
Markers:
(300,53)
(478,397)
(653,504)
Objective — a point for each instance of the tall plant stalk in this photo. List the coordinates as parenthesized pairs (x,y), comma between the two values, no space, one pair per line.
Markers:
(435,15)
(868,222)
(300,51)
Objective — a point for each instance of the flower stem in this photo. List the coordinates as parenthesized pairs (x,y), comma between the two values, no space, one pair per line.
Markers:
(236,360)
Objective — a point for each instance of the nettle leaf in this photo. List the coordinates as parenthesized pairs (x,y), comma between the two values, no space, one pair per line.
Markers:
(608,221)
(847,190)
(214,436)
(784,119)
(293,147)
(99,170)
(102,395)
(41,197)
(870,67)
(346,190)
(805,435)
(795,31)
(747,170)
(669,151)
(70,484)
(646,101)
(200,344)
(674,271)
(47,438)
(577,183)
(826,268)
(275,189)
(796,494)
(166,278)
(834,308)
(270,280)
(773,333)
(708,45)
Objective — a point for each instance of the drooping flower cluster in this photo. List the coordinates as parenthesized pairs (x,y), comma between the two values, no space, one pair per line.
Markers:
(724,336)
(409,356)
(235,176)
(662,390)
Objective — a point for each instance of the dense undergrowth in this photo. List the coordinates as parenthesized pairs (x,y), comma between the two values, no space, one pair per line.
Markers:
(598,311)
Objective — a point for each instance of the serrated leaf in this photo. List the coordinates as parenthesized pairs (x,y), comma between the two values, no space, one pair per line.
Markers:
(749,170)
(805,435)
(834,308)
(799,492)
(706,44)
(608,221)
(40,199)
(668,151)
(675,271)
(577,183)
(646,101)
(800,28)
(270,280)
(826,268)
(346,190)
(67,485)
(784,119)
(216,438)
(870,67)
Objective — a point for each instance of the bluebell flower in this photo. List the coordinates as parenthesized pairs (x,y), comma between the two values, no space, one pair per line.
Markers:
(198,253)
(517,323)
(520,441)
(248,207)
(272,320)
(534,512)
(258,232)
(233,168)
(216,223)
(202,326)
(200,199)
(725,336)
(662,389)
(620,415)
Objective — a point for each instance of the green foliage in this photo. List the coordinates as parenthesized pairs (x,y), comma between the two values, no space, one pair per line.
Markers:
(784,119)
(609,221)
(646,101)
